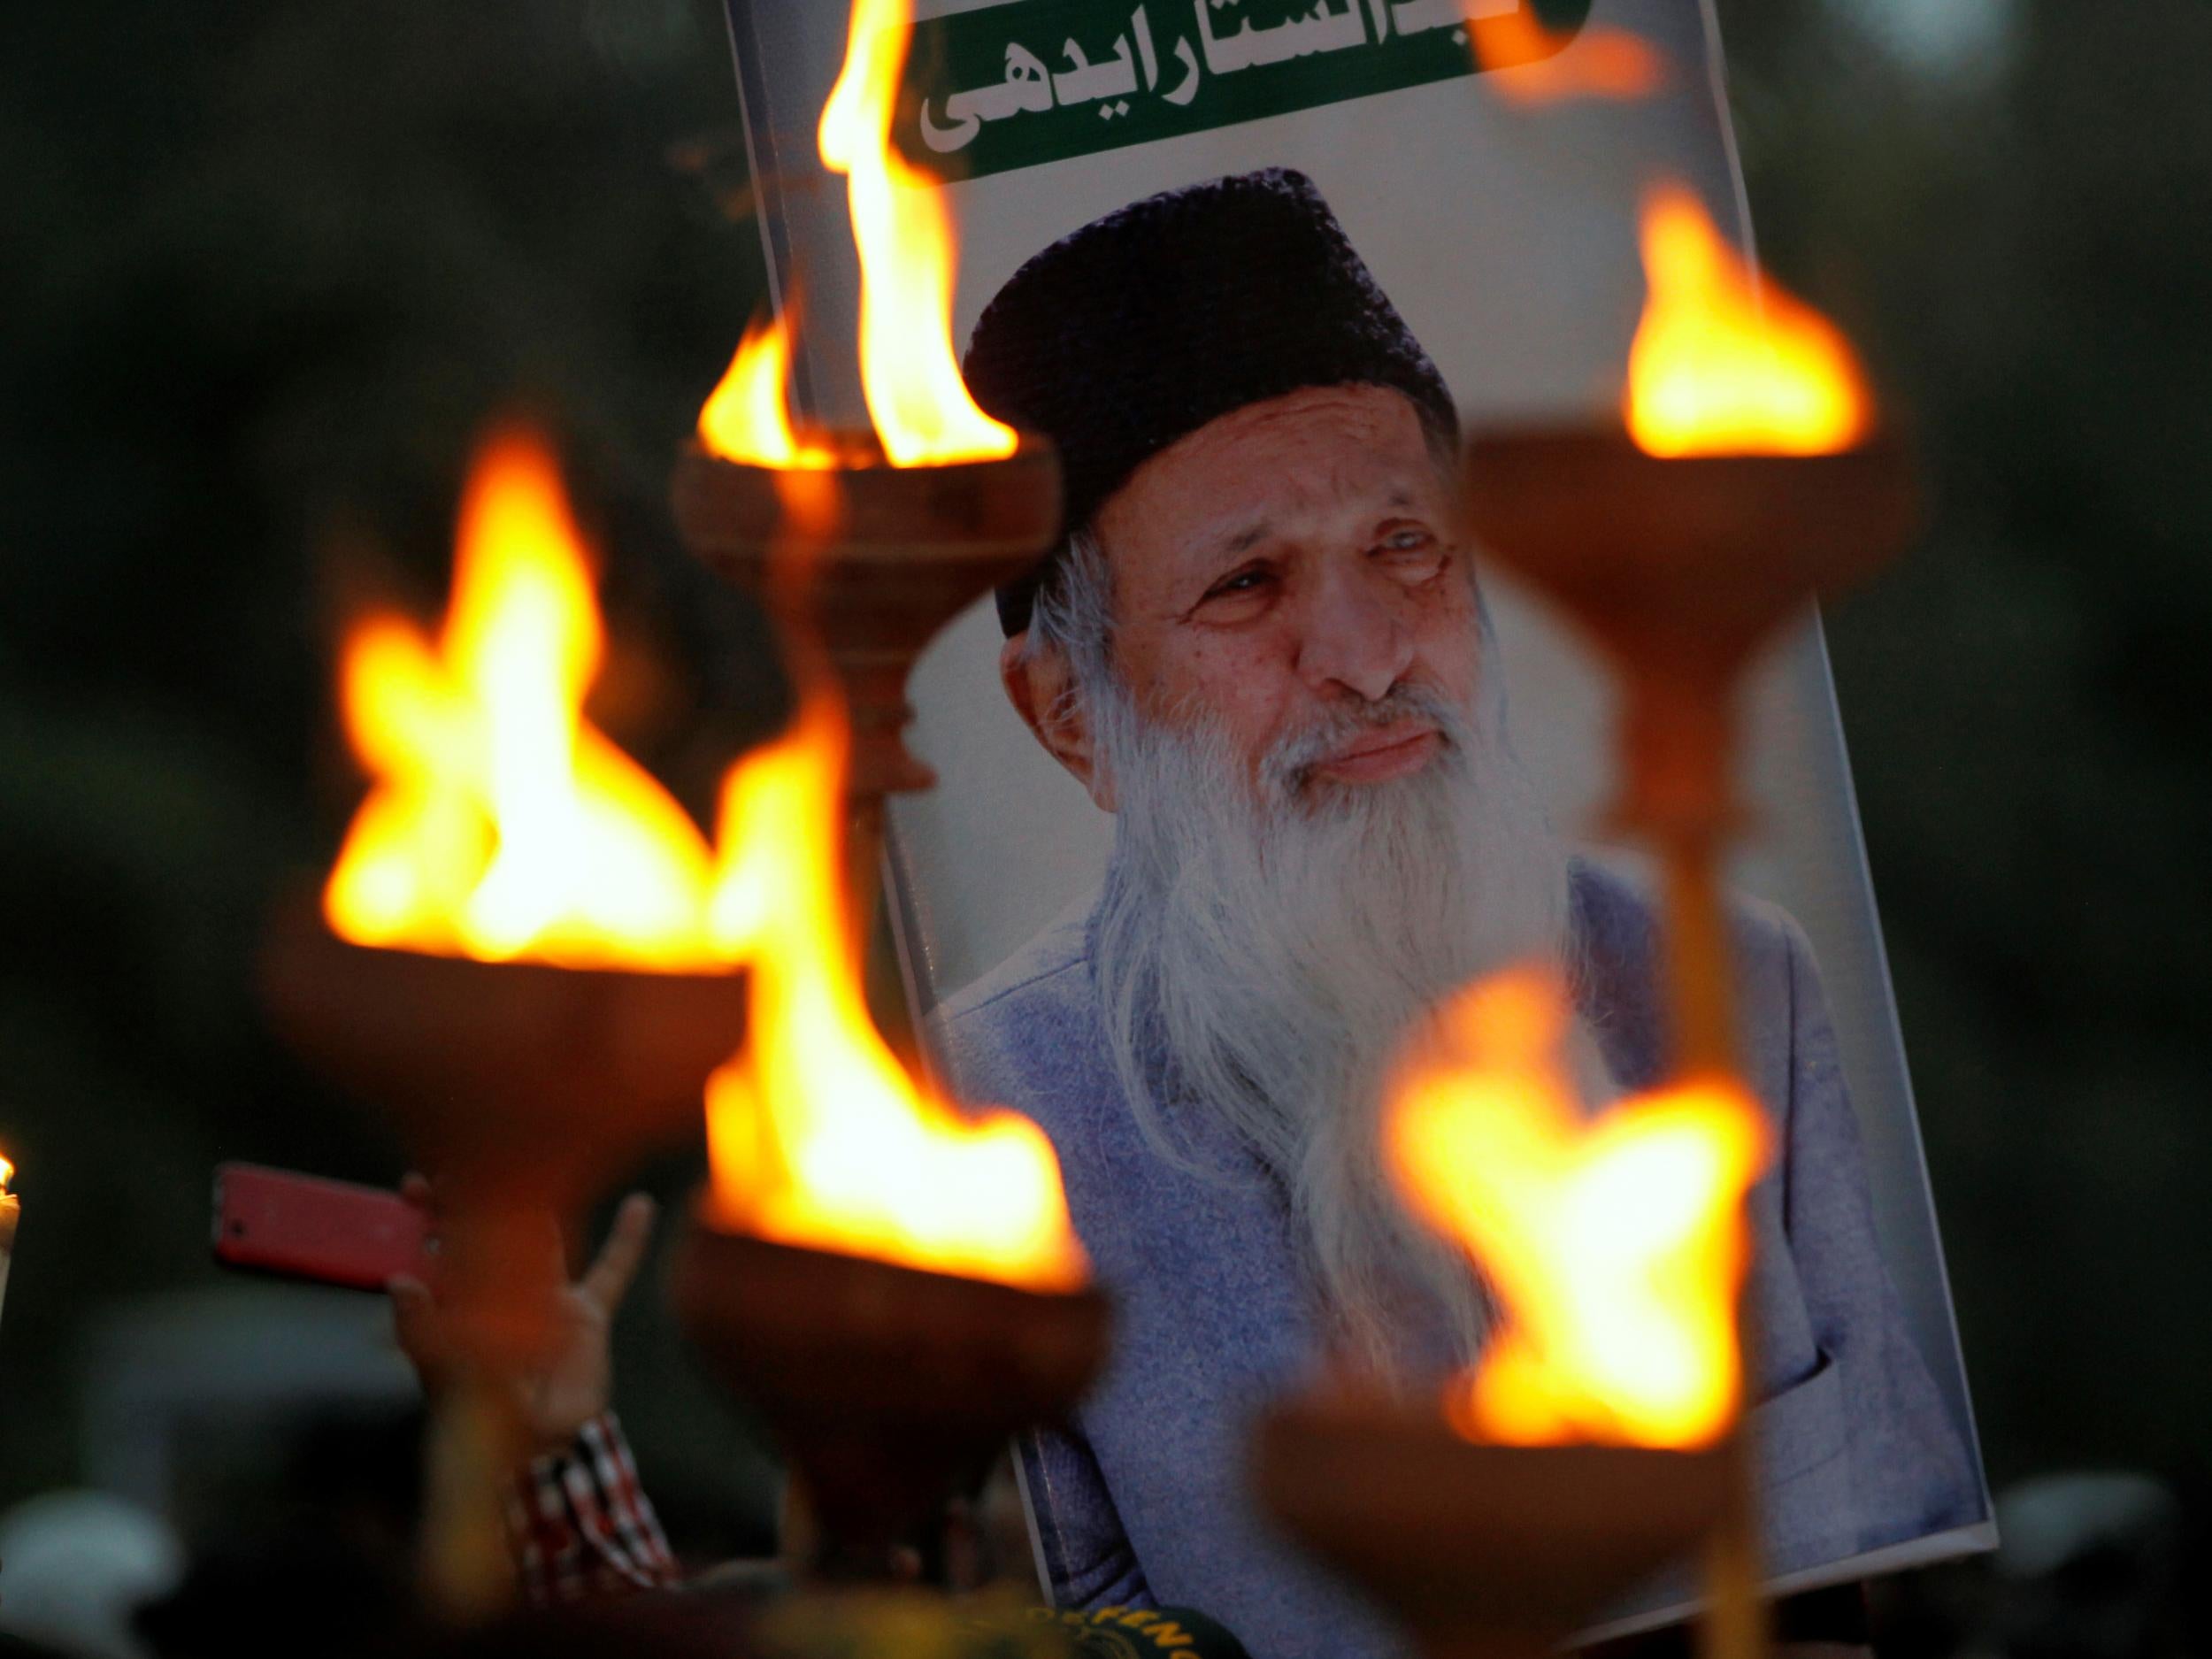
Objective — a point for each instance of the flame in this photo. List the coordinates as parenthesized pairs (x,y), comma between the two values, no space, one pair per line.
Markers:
(1553,67)
(1615,1246)
(1723,361)
(815,1134)
(7,1174)
(745,419)
(920,404)
(501,825)
(922,413)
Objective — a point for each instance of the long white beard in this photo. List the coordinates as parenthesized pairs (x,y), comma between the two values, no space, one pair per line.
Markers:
(1262,963)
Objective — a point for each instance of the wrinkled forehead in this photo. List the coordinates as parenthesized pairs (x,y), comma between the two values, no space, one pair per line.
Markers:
(1304,463)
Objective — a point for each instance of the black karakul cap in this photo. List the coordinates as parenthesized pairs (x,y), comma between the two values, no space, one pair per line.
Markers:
(1144,325)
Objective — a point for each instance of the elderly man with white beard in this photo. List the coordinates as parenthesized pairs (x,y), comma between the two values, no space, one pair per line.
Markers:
(1261,649)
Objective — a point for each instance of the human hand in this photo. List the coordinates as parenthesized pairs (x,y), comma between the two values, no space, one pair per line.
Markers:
(575,1381)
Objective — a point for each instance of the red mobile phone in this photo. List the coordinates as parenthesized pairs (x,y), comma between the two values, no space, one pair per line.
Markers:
(302,1226)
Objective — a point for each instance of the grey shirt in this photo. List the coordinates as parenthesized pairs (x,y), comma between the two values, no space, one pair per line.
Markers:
(1143,1499)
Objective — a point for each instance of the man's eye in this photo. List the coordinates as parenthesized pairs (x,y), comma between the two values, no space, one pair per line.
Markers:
(1412,551)
(1242,581)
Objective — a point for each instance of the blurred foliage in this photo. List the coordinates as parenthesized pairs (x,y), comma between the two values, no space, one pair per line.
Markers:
(270,267)
(2019,236)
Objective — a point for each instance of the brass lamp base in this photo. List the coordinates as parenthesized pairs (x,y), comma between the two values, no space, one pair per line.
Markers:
(1480,1552)
(520,1088)
(884,1386)
(1680,568)
(902,552)
(549,1075)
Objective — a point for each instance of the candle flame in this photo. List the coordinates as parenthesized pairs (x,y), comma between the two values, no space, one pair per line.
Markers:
(1723,361)
(815,1135)
(503,824)
(746,418)
(1615,1245)
(7,1174)
(1558,66)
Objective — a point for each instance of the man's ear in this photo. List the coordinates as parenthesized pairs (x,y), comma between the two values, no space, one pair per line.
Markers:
(1040,685)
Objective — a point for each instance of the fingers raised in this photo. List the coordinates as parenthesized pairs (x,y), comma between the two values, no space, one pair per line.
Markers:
(608,1278)
(415,1321)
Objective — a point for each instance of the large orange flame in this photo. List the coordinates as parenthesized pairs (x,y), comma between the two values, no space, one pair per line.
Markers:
(1531,65)
(1723,361)
(923,414)
(503,824)
(921,408)
(816,1134)
(746,418)
(1615,1246)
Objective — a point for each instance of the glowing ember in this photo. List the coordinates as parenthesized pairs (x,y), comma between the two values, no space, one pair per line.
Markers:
(503,824)
(1542,65)
(816,1134)
(1723,361)
(746,419)
(1615,1246)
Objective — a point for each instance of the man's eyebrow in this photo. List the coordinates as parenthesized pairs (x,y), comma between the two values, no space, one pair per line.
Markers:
(1238,541)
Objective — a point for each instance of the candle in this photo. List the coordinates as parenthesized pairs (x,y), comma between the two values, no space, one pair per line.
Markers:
(10,1212)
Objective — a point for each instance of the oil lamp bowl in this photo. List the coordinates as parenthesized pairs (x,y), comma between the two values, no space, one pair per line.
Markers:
(1480,1552)
(1680,569)
(504,1070)
(1695,557)
(912,547)
(885,1385)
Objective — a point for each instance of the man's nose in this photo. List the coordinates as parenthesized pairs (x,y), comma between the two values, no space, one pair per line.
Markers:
(1354,636)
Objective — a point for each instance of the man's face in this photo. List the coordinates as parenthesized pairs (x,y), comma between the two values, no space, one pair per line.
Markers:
(1285,568)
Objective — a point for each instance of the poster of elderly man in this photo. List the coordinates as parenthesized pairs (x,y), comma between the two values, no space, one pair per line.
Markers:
(1261,762)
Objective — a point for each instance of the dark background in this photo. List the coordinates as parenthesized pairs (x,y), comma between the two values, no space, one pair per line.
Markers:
(269,265)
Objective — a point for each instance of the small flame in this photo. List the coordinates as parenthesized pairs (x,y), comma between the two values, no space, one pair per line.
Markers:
(1723,361)
(922,413)
(7,1174)
(746,419)
(503,824)
(815,1135)
(1615,1246)
(1556,66)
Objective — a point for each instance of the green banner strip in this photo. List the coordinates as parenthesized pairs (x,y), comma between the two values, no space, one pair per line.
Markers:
(1040,80)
